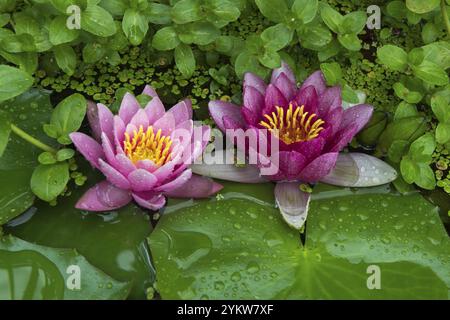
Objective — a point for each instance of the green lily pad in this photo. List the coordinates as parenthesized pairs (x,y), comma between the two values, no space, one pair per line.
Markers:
(29,112)
(30,271)
(236,248)
(113,241)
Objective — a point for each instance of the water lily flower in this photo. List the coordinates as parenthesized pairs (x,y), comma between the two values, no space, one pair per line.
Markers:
(311,127)
(144,153)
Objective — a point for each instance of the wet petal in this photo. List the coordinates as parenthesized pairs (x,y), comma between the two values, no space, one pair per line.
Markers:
(94,123)
(253,100)
(197,187)
(105,117)
(150,200)
(148,90)
(166,123)
(142,180)
(319,167)
(330,100)
(140,119)
(283,70)
(307,97)
(177,182)
(317,80)
(252,80)
(88,147)
(103,197)
(360,170)
(274,98)
(119,131)
(292,203)
(286,86)
(219,109)
(128,107)
(154,109)
(358,115)
(182,111)
(113,175)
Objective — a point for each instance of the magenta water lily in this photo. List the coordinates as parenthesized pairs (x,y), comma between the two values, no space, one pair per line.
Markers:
(144,153)
(310,127)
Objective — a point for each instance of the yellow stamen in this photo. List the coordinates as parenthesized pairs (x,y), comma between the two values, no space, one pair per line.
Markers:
(148,146)
(294,125)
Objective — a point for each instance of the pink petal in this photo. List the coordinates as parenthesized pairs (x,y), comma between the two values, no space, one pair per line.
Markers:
(125,165)
(219,109)
(177,182)
(292,202)
(197,187)
(88,147)
(140,119)
(149,200)
(182,111)
(358,115)
(166,123)
(103,197)
(317,80)
(142,180)
(128,107)
(147,165)
(113,175)
(229,172)
(249,116)
(283,70)
(252,80)
(109,151)
(92,115)
(343,138)
(154,109)
(119,131)
(319,167)
(230,123)
(291,163)
(253,100)
(148,90)
(105,118)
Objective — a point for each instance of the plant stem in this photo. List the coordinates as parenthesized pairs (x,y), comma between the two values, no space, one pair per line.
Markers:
(25,136)
(445,16)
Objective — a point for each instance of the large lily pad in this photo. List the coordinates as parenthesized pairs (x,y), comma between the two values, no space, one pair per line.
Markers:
(29,112)
(239,248)
(113,241)
(30,271)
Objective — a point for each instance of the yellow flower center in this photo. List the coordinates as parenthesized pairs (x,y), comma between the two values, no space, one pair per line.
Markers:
(293,125)
(147,146)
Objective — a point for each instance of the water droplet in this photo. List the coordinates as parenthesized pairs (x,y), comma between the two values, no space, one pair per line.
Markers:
(252,267)
(236,276)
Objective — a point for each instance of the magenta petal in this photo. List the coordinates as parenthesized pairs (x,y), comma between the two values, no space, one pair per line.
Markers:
(105,117)
(197,187)
(358,115)
(150,200)
(154,109)
(250,117)
(274,98)
(291,163)
(177,182)
(88,147)
(286,70)
(307,96)
(311,149)
(218,109)
(128,107)
(94,123)
(182,111)
(253,100)
(317,80)
(286,86)
(142,180)
(140,119)
(147,165)
(148,90)
(166,123)
(103,197)
(343,138)
(252,80)
(165,170)
(230,123)
(330,100)
(113,175)
(319,167)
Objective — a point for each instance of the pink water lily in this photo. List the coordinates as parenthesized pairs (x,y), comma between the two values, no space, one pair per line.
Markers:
(144,153)
(311,128)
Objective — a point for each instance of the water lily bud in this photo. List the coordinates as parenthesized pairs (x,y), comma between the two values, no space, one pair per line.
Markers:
(372,131)
(407,129)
